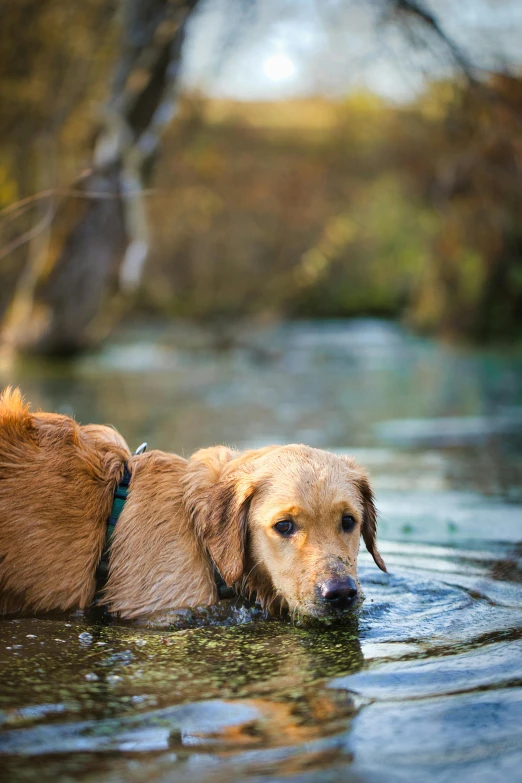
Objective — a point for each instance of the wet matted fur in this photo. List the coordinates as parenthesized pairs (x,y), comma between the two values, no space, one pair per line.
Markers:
(57,481)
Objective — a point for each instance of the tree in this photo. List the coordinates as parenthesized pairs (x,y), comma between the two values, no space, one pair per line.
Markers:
(97,241)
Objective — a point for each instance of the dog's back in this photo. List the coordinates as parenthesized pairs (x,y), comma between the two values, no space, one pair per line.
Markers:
(57,481)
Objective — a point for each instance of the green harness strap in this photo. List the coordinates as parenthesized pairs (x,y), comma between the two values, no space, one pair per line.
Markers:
(120,496)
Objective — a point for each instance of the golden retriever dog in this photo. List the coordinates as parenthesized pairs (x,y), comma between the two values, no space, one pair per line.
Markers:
(281,523)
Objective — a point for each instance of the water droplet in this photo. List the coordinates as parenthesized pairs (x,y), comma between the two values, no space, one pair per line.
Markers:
(140,642)
(92,677)
(30,636)
(85,638)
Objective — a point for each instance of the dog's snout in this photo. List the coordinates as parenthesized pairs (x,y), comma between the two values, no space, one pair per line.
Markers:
(339,593)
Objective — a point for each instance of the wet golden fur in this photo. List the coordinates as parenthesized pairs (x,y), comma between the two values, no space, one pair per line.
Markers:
(57,481)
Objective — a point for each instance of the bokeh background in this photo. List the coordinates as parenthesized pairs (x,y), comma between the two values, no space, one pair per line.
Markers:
(253,159)
(272,221)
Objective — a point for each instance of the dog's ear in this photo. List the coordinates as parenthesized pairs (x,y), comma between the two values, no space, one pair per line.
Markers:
(224,531)
(218,487)
(369,524)
(217,493)
(369,521)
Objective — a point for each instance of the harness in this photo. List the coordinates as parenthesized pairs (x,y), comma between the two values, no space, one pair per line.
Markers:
(120,496)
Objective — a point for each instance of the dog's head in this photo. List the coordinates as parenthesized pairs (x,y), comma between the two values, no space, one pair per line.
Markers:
(285,522)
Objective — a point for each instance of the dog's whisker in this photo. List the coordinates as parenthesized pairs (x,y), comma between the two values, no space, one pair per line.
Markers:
(245,579)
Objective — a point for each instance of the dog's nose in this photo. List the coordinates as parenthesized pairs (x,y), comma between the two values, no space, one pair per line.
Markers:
(340,593)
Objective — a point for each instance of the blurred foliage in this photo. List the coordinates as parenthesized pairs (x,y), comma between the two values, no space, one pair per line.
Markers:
(303,208)
(56,59)
(310,208)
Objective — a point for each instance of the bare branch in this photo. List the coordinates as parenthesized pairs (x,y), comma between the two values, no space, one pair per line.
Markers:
(419,12)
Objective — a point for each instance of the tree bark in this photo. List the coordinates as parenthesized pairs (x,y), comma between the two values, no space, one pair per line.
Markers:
(98,241)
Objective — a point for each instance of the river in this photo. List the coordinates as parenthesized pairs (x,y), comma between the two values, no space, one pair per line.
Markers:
(423,683)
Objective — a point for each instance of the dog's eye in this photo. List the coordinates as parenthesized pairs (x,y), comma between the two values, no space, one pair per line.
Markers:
(348,523)
(286,527)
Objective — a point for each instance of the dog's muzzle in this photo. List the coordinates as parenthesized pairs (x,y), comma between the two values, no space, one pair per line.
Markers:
(338,593)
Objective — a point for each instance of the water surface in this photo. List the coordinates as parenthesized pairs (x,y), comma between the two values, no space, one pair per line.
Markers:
(424,683)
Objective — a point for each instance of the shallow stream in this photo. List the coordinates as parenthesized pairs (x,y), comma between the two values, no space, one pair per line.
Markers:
(425,683)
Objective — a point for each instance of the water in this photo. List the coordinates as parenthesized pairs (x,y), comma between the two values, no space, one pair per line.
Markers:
(424,684)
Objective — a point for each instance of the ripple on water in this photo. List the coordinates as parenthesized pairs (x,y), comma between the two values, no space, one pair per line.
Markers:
(451,706)
(491,666)
(145,732)
(440,596)
(472,738)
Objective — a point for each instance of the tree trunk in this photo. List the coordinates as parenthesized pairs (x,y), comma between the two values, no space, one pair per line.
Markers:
(97,242)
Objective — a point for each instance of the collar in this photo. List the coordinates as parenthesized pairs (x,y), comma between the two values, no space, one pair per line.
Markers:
(120,496)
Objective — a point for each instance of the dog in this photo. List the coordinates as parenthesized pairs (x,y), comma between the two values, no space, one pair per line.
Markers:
(281,523)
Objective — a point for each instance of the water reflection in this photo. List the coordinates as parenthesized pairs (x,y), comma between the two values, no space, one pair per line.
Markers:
(228,691)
